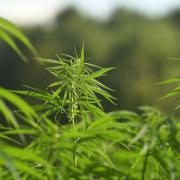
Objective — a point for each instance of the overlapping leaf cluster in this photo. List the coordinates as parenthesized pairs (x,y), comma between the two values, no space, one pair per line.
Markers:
(92,143)
(74,93)
(68,135)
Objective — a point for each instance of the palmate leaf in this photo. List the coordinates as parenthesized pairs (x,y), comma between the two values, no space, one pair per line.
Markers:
(7,30)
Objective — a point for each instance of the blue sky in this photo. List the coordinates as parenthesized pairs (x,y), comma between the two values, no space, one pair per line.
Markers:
(39,11)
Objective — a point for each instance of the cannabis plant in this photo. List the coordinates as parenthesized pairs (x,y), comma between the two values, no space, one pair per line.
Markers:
(68,135)
(89,143)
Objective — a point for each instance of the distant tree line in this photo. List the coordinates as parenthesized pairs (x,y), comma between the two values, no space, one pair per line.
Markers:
(138,46)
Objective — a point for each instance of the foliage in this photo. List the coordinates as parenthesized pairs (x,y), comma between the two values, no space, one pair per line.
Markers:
(68,135)
(7,30)
(91,143)
(173,92)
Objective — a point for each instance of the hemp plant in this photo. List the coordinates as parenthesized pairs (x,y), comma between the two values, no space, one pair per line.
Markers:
(68,135)
(91,142)
(75,90)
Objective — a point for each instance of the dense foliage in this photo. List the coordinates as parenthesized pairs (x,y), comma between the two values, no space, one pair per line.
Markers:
(68,135)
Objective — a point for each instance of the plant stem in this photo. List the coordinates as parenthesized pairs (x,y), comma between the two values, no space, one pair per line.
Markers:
(73,107)
(145,165)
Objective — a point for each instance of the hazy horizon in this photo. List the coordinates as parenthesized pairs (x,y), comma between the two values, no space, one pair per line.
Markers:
(39,12)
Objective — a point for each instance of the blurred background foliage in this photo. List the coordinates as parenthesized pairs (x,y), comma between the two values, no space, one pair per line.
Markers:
(138,46)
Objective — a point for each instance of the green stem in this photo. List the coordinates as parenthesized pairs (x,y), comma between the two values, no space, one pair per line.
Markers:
(144,166)
(73,117)
(73,104)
